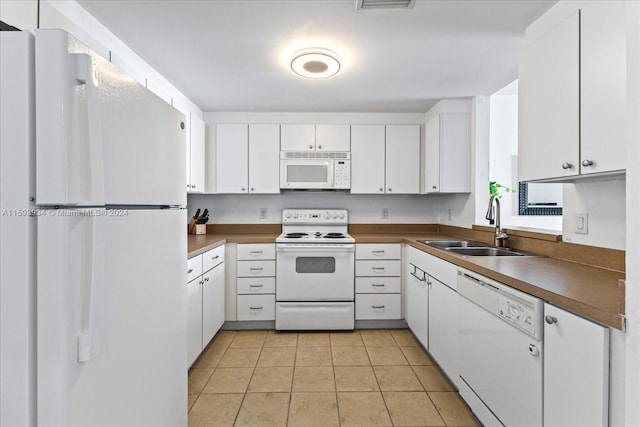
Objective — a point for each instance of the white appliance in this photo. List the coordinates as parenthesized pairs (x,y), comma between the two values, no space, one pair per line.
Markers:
(94,306)
(315,170)
(315,278)
(500,352)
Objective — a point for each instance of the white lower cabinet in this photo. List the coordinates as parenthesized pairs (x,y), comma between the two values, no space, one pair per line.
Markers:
(256,282)
(576,370)
(443,327)
(378,289)
(417,298)
(205,300)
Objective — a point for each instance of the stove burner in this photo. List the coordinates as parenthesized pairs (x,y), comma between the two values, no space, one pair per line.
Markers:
(295,235)
(334,236)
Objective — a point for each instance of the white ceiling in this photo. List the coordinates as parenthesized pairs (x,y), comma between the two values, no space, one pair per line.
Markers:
(233,55)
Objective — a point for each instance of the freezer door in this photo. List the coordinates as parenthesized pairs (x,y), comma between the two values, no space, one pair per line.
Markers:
(101,137)
(111,318)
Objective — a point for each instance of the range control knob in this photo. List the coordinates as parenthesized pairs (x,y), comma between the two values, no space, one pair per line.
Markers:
(327,215)
(295,215)
(288,215)
(334,216)
(341,216)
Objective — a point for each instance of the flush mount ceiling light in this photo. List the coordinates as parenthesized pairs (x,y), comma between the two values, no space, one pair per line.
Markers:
(315,63)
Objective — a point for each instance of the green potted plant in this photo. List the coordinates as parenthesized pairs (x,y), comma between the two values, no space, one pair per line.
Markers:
(495,189)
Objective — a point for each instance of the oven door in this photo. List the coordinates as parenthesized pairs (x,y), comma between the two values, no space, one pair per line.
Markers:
(306,174)
(315,272)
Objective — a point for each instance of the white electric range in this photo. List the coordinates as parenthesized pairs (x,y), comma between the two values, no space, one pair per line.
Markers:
(316,268)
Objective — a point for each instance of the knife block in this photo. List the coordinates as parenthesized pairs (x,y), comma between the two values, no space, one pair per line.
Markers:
(199,229)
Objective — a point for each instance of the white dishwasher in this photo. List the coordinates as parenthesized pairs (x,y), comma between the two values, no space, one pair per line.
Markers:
(500,352)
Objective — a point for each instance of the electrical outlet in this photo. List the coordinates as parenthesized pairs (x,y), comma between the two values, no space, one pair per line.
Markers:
(385,213)
(263,213)
(582,223)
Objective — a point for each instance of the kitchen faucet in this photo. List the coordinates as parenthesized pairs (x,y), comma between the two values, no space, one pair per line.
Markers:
(500,236)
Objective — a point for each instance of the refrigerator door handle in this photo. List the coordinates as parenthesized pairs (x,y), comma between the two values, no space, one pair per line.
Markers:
(88,291)
(87,75)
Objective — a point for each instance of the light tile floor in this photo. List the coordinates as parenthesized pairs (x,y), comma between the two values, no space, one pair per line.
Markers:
(354,378)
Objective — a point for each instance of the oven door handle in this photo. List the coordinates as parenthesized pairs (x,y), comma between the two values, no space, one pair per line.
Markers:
(315,248)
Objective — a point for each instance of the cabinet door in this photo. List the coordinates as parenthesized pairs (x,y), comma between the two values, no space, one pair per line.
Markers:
(232,158)
(212,303)
(417,304)
(455,153)
(576,370)
(188,149)
(548,104)
(443,327)
(333,137)
(194,319)
(197,156)
(367,159)
(402,159)
(297,137)
(603,86)
(432,155)
(264,158)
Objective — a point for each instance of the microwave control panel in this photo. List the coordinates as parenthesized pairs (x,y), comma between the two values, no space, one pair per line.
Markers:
(342,174)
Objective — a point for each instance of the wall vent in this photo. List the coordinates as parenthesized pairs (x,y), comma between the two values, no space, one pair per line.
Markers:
(384,4)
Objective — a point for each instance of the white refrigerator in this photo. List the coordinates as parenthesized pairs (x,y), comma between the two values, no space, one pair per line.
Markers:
(93,229)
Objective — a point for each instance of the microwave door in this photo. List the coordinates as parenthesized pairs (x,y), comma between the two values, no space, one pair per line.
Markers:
(306,174)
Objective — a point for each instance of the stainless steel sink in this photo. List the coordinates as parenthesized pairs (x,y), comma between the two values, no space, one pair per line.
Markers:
(487,251)
(443,244)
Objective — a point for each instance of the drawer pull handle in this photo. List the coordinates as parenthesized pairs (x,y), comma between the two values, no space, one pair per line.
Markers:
(256,286)
(255,308)
(215,257)
(378,285)
(189,271)
(377,307)
(377,268)
(256,268)
(256,253)
(422,279)
(381,252)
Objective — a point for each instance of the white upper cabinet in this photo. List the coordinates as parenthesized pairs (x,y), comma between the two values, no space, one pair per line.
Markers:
(447,154)
(333,138)
(315,137)
(264,158)
(232,153)
(298,138)
(196,156)
(367,159)
(247,158)
(603,93)
(572,94)
(402,154)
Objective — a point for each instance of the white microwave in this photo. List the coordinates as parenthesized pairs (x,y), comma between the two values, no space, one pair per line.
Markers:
(310,170)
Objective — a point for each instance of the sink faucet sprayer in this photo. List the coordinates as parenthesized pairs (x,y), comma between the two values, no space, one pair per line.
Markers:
(500,236)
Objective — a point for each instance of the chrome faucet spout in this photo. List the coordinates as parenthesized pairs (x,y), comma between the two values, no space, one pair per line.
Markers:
(500,236)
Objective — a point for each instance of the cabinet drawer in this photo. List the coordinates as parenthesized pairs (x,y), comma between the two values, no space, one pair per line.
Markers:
(375,285)
(256,307)
(256,285)
(378,306)
(194,267)
(378,251)
(257,251)
(444,271)
(212,258)
(378,268)
(256,268)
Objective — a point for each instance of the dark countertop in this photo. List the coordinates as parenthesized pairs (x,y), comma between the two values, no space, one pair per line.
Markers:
(595,293)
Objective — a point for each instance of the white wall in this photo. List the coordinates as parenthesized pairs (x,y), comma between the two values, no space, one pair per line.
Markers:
(363,208)
(604,202)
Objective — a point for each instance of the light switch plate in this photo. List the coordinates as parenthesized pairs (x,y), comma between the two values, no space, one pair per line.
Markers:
(582,223)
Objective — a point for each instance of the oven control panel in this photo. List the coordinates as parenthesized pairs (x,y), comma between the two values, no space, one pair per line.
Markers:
(315,216)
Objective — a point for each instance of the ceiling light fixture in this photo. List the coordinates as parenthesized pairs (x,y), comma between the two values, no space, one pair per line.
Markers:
(315,63)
